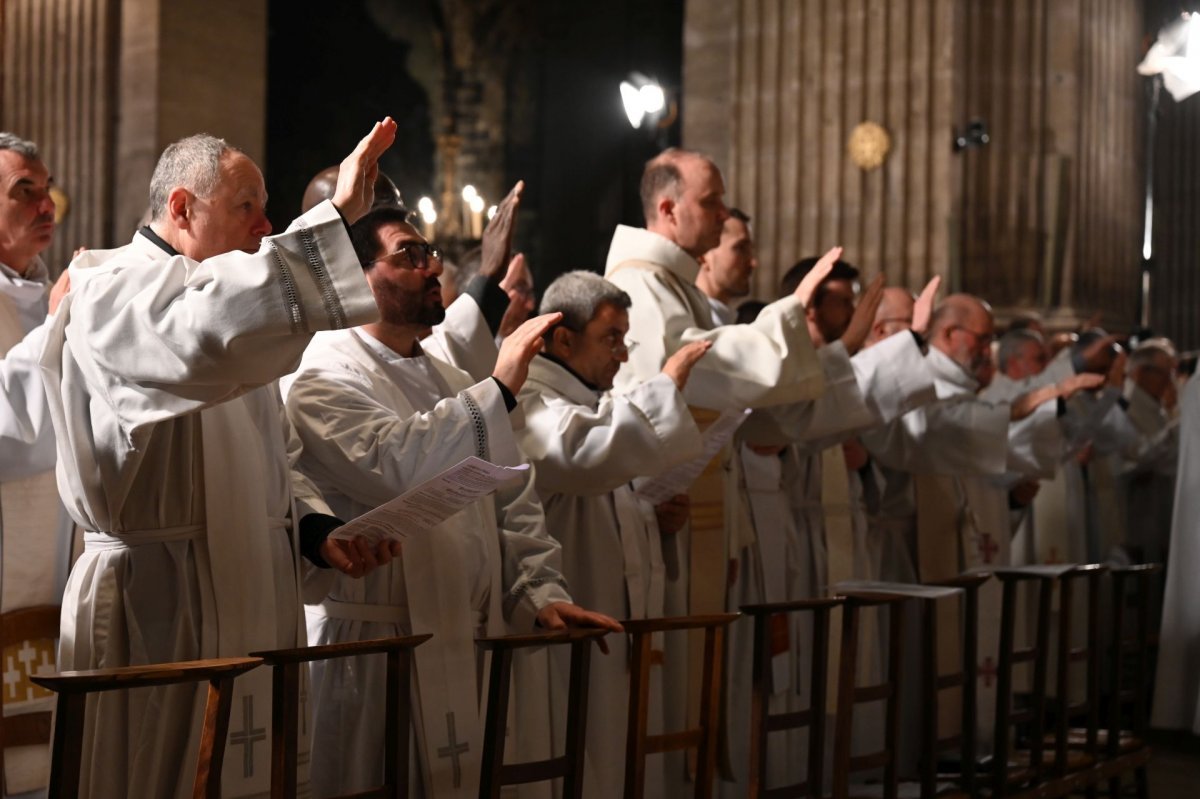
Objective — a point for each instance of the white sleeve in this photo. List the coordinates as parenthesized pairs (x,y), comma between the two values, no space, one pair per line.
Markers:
(955,436)
(160,339)
(26,431)
(768,362)
(364,449)
(589,453)
(463,339)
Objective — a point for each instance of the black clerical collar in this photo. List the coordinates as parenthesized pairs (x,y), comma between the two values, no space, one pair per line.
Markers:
(158,240)
(590,385)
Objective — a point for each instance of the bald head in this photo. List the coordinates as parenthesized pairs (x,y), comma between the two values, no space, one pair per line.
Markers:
(324,184)
(683,199)
(895,314)
(962,328)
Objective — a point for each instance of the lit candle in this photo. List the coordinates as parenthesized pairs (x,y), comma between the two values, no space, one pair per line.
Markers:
(476,217)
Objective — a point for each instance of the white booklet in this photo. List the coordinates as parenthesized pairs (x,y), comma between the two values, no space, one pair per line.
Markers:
(427,505)
(678,479)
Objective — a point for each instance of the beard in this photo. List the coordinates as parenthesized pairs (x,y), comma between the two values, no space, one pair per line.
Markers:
(400,307)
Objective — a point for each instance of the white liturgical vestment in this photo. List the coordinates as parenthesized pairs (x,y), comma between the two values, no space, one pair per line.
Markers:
(374,424)
(35,530)
(587,446)
(1177,689)
(173,453)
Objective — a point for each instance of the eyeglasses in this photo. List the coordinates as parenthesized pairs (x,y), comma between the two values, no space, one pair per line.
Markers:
(417,255)
(982,339)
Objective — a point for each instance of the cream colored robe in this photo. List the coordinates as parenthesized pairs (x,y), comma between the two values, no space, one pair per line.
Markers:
(1177,687)
(588,446)
(35,530)
(174,452)
(488,569)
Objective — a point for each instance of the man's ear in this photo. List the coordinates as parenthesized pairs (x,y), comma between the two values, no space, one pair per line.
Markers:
(560,341)
(666,208)
(179,207)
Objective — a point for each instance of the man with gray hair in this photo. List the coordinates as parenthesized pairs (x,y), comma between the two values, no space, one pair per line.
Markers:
(173,451)
(1021,353)
(35,531)
(588,445)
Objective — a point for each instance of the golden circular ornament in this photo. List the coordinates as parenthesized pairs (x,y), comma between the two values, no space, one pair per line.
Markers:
(62,203)
(869,145)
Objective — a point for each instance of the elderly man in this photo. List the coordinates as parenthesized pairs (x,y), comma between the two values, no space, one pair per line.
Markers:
(588,445)
(959,450)
(35,529)
(377,416)
(174,451)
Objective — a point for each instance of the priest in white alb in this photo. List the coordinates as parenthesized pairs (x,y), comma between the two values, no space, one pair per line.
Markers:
(35,530)
(377,416)
(174,453)
(588,445)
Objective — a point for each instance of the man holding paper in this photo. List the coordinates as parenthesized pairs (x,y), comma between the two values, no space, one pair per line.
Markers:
(378,417)
(588,445)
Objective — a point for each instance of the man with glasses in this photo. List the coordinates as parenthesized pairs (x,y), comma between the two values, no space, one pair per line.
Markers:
(963,453)
(377,416)
(588,445)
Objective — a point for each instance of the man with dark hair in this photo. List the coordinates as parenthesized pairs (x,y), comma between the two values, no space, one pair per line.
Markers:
(174,454)
(588,445)
(376,416)
(725,270)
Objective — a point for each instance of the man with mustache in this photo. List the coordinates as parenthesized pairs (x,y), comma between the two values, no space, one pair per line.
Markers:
(378,416)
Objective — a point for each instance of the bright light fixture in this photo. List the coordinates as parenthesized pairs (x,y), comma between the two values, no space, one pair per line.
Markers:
(476,203)
(469,193)
(652,97)
(425,205)
(491,212)
(631,98)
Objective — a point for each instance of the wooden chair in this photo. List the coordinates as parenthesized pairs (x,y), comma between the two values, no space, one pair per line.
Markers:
(568,766)
(703,738)
(73,688)
(845,763)
(1009,779)
(933,683)
(285,704)
(1070,767)
(763,722)
(1124,737)
(26,729)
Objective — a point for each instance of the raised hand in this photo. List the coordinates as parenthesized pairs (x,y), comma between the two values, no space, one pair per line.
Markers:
(923,308)
(679,366)
(355,191)
(497,236)
(816,275)
(512,363)
(864,316)
(60,289)
(1098,356)
(1084,381)
(518,285)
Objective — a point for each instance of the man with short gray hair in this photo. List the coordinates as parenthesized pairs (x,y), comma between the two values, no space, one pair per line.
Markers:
(175,455)
(587,445)
(35,531)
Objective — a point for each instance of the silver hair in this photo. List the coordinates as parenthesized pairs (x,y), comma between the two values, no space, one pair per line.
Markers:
(577,295)
(1011,343)
(1148,352)
(22,147)
(193,163)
